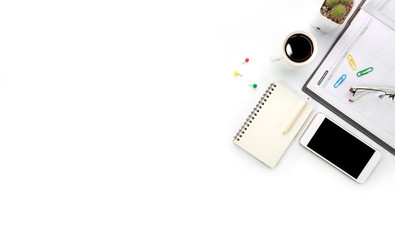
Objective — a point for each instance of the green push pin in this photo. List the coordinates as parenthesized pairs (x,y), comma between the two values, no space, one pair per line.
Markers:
(254,85)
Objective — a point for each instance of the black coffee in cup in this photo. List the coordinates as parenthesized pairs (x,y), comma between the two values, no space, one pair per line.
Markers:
(299,48)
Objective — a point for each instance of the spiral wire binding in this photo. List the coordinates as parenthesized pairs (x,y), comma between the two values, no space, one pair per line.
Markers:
(254,112)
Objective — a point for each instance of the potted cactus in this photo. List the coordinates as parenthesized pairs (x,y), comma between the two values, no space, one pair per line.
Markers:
(332,14)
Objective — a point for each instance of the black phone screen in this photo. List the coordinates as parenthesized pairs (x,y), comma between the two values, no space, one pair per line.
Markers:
(341,148)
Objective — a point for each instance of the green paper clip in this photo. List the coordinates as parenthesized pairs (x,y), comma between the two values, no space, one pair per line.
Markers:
(364,72)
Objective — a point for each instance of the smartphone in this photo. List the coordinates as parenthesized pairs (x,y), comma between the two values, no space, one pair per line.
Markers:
(340,148)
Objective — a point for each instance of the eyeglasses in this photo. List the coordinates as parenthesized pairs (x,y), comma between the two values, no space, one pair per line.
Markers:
(371,94)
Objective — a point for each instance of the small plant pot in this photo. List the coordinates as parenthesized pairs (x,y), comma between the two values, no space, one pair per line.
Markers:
(325,23)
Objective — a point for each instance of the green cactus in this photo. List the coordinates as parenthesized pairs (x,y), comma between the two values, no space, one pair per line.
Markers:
(338,12)
(330,3)
(345,2)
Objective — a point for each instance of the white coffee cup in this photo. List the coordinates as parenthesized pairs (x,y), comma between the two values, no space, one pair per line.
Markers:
(299,49)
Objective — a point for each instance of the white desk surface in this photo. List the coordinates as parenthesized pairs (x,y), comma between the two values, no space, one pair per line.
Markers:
(117,120)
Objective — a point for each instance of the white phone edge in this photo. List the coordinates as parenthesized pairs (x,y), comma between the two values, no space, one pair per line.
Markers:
(309,133)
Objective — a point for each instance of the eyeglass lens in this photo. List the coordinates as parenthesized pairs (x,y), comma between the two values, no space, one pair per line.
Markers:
(368,95)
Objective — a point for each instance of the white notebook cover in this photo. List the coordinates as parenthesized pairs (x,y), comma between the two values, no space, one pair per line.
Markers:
(261,135)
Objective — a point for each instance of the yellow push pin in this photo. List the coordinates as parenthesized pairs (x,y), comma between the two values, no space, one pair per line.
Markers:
(238,74)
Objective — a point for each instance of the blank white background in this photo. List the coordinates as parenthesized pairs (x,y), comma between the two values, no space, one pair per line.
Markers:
(117,120)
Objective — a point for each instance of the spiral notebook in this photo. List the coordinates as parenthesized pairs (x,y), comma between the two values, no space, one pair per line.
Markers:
(261,135)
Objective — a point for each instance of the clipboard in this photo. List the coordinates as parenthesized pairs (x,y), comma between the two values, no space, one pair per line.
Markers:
(320,85)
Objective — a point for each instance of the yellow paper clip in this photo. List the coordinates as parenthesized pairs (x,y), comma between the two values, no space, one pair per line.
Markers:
(351,62)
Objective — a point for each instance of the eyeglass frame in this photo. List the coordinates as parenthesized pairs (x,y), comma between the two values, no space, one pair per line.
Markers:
(387,91)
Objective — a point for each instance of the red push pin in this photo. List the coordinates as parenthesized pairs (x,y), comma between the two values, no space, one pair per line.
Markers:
(246,60)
